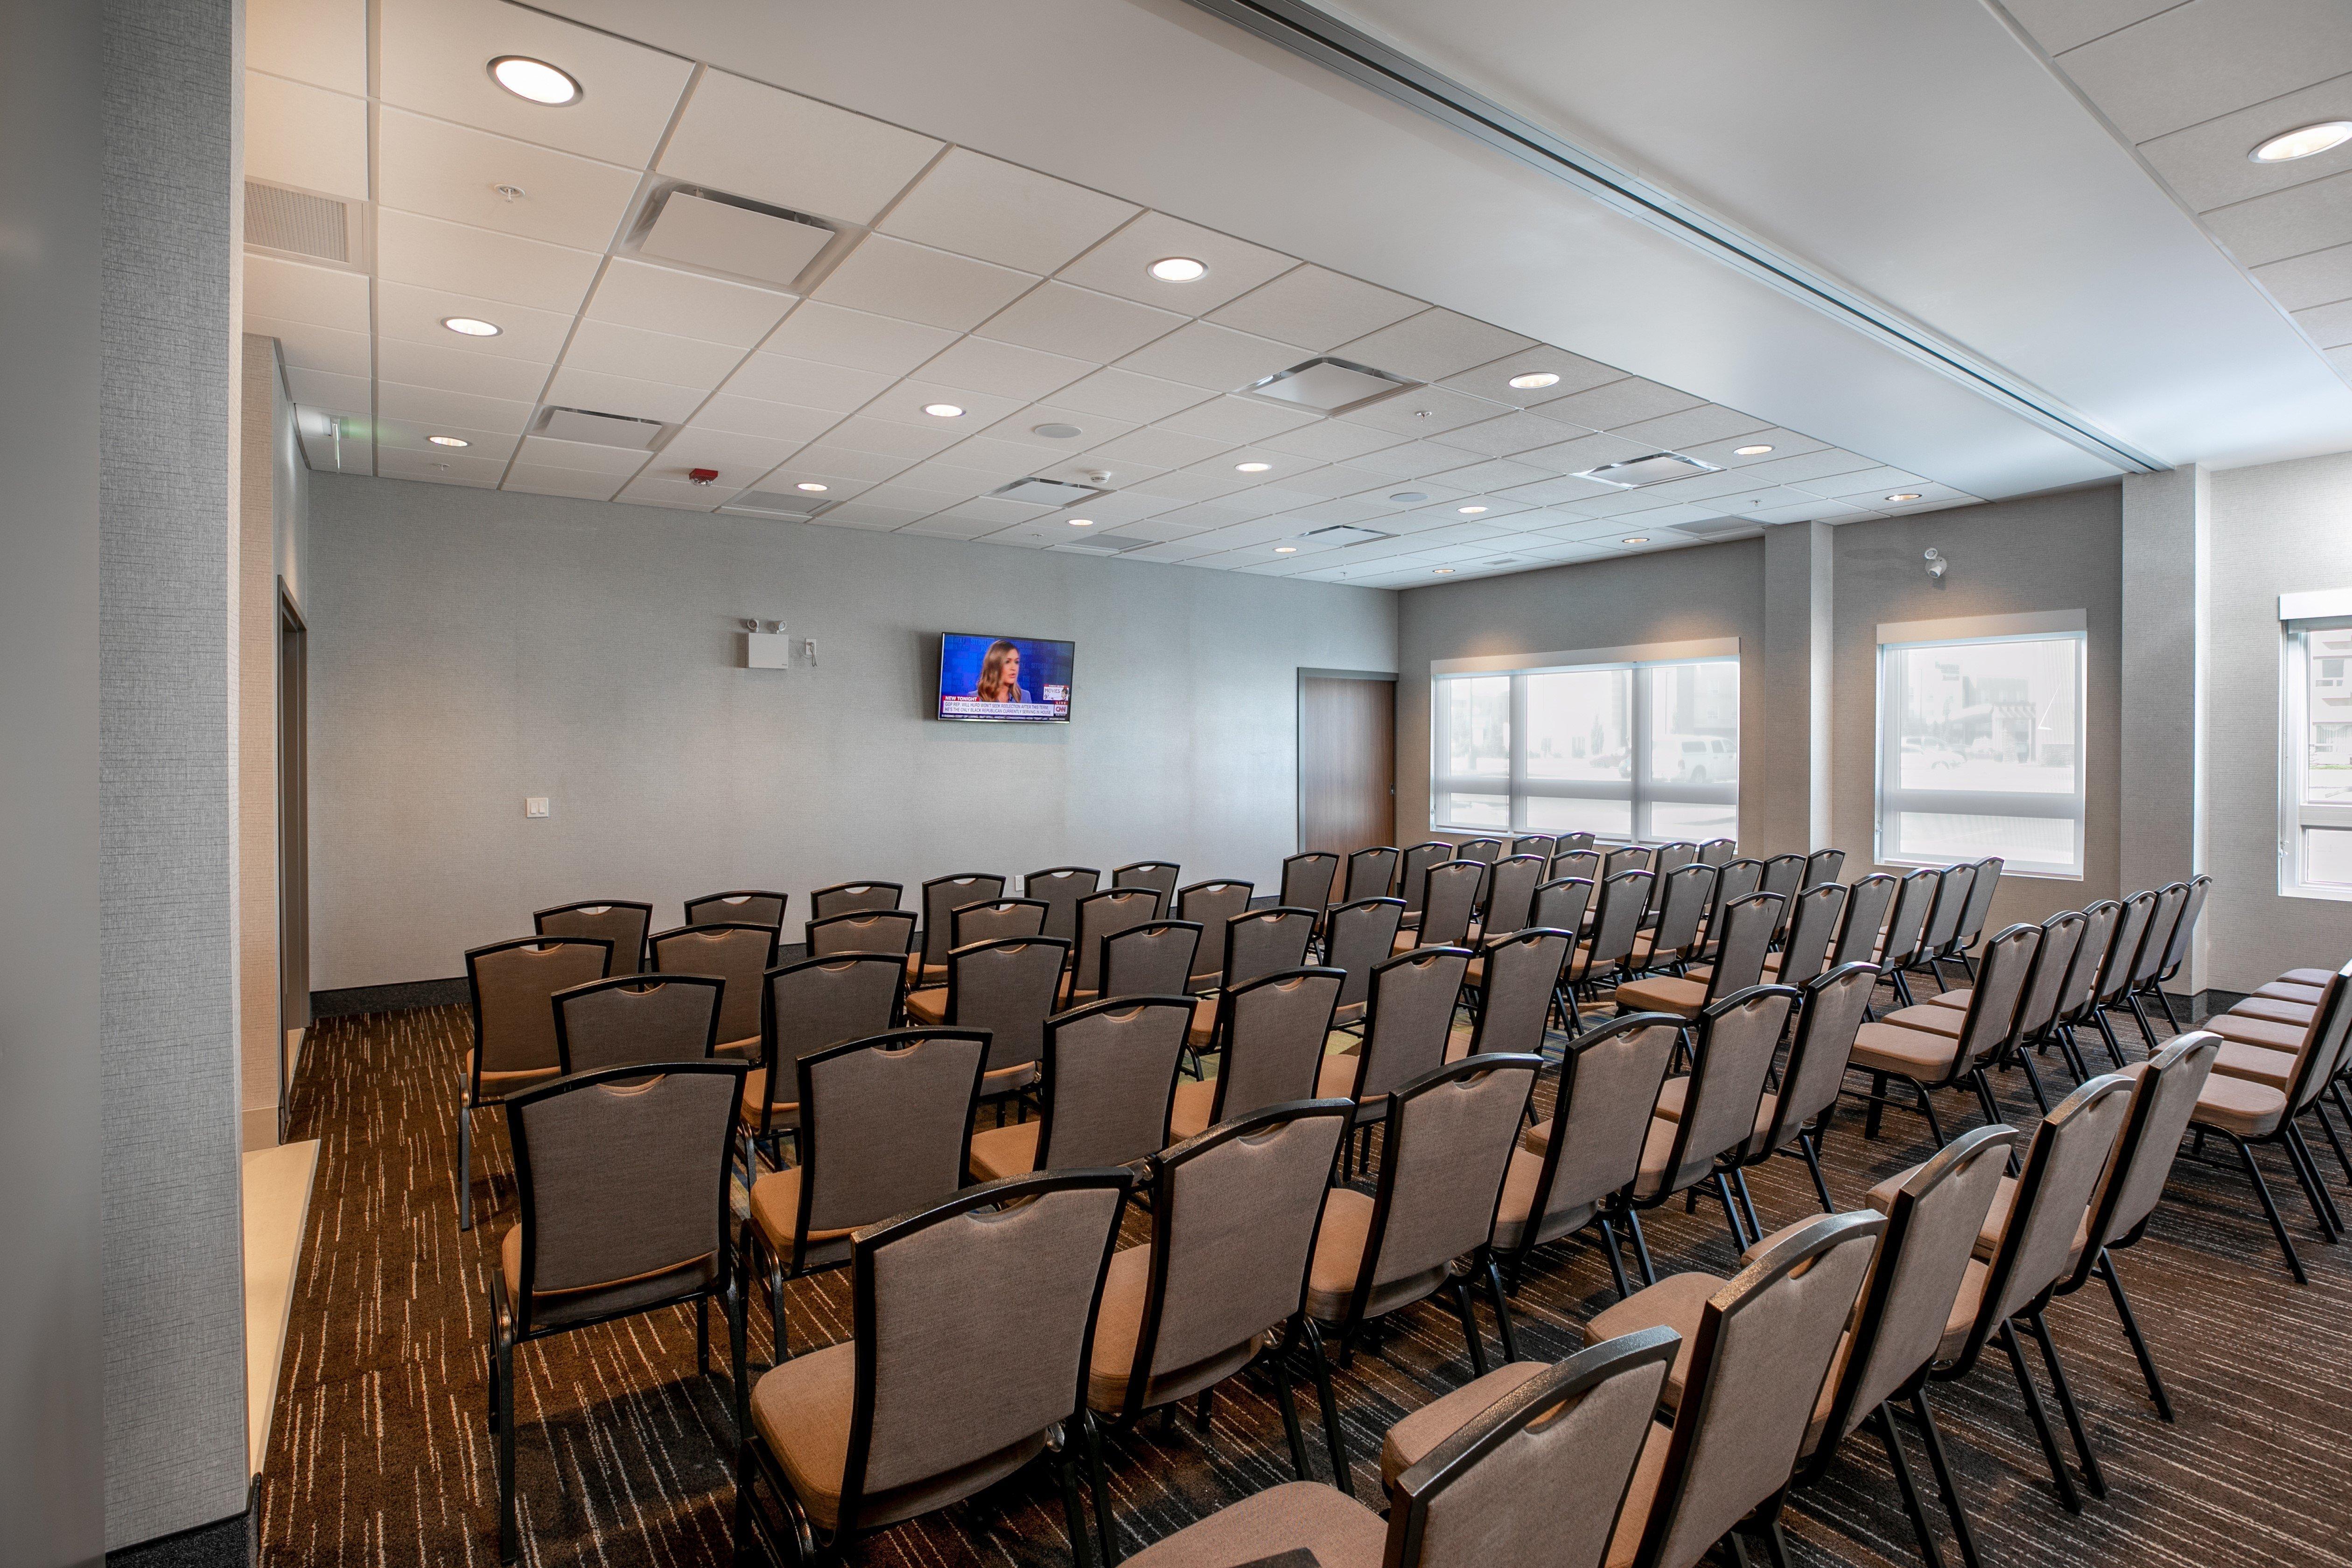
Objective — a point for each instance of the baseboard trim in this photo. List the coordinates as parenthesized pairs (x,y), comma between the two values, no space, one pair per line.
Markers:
(230,1543)
(394,998)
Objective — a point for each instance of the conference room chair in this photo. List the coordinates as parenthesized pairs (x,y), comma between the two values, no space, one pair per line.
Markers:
(1983,881)
(1954,884)
(1718,851)
(1154,959)
(621,923)
(1413,868)
(1109,1075)
(1160,875)
(2153,945)
(624,1187)
(1584,863)
(2115,969)
(631,1019)
(1719,1105)
(1309,879)
(854,899)
(1806,936)
(2035,1250)
(862,930)
(2078,993)
(1268,1034)
(1570,843)
(744,905)
(1744,1389)
(1357,938)
(884,1127)
(993,919)
(1666,860)
(1946,1013)
(941,897)
(1372,874)
(738,953)
(1100,917)
(1221,1283)
(1510,896)
(1734,880)
(1449,904)
(1542,846)
(1209,905)
(1822,867)
(1747,928)
(1486,851)
(1005,990)
(807,1008)
(1256,944)
(1795,1112)
(1556,1185)
(1564,904)
(972,1329)
(2175,951)
(1446,1140)
(1060,888)
(1784,875)
(1510,984)
(1867,900)
(1570,1430)
(510,987)
(1908,1043)
(1898,944)
(1408,1024)
(1607,955)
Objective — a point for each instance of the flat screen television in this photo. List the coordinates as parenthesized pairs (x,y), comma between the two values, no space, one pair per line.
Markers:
(1004,680)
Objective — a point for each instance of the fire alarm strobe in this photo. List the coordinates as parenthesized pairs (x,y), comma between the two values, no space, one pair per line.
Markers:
(701,476)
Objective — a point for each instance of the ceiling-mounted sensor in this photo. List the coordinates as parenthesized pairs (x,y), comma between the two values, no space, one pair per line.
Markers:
(1328,385)
(720,233)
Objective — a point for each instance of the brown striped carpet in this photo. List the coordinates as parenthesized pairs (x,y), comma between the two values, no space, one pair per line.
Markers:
(380,1456)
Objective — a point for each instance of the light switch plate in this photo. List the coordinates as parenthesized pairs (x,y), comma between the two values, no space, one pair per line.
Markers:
(534,805)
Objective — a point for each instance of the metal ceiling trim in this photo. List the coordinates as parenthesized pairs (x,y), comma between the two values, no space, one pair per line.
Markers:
(1325,40)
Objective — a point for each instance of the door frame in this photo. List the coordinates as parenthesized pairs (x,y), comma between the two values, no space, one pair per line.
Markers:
(292,787)
(1299,745)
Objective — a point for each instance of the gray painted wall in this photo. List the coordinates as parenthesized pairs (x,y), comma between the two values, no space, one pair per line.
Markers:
(2281,528)
(471,647)
(52,1464)
(175,1315)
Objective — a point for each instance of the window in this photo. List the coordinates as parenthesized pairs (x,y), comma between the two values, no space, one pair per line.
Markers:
(1627,749)
(2315,760)
(1980,742)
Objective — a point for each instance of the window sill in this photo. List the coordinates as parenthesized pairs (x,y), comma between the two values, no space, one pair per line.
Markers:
(2320,895)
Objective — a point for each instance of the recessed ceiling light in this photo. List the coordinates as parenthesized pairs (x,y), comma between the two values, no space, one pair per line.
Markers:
(942,410)
(1469,510)
(470,326)
(1285,550)
(1750,451)
(1409,496)
(1252,467)
(813,489)
(2303,142)
(1443,572)
(1539,378)
(535,79)
(1082,523)
(1637,539)
(449,440)
(1178,270)
(1904,495)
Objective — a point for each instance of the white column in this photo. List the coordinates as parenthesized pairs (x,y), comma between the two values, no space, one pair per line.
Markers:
(2166,573)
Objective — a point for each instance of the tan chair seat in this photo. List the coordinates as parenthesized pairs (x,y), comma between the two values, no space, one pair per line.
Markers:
(1957,997)
(1007,1081)
(1338,1257)
(1929,1018)
(1909,1053)
(1335,1531)
(1414,1437)
(548,1308)
(776,1210)
(1677,1302)
(2291,991)
(1641,1497)
(1203,1026)
(1001,1152)
(1657,1148)
(1458,1041)
(1661,994)
(928,1009)
(2296,1013)
(2269,1035)
(1520,1197)
(1336,1079)
(2316,979)
(2239,1105)
(2254,1063)
(1188,1114)
(802,1409)
(497,1084)
(782,1114)
(921,974)
(1963,1315)
(1672,1093)
(1119,1320)
(747,1047)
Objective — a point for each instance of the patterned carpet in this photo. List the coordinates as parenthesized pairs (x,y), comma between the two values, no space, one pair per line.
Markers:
(380,1455)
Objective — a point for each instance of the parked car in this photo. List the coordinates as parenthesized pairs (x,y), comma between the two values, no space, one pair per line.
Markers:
(1704,759)
(1934,754)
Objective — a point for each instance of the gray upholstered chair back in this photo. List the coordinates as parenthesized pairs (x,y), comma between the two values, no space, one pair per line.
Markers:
(1867,903)
(2078,994)
(510,983)
(1625,858)
(1747,928)
(1157,958)
(2164,1098)
(1812,926)
(1912,898)
(1372,874)
(1361,937)
(2053,1198)
(1823,867)
(1609,1078)
(1160,875)
(853,899)
(1681,902)
(1624,898)
(1719,851)
(737,954)
(1265,941)
(1511,894)
(1991,1016)
(2186,926)
(1009,989)
(1583,864)
(1517,980)
(2037,1004)
(2170,901)
(1951,903)
(1449,898)
(1729,1062)
(1212,903)
(1983,883)
(1831,1017)
(1486,851)
(1273,1030)
(745,906)
(993,919)
(819,1002)
(1410,1017)
(941,897)
(1106,914)
(1061,889)
(1784,875)
(1542,846)
(629,1020)
(1110,1073)
(1562,904)
(1673,856)
(886,1125)
(1308,879)
(1734,879)
(862,930)
(1412,867)
(1449,1137)
(622,924)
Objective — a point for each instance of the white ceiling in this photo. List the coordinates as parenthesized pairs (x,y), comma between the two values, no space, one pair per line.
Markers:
(967,276)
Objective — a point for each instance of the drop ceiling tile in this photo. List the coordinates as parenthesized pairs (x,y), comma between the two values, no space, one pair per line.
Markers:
(1918,506)
(1123,394)
(1174,550)
(605,393)
(324,389)
(1200,517)
(985,454)
(978,207)
(451,469)
(1343,509)
(1692,426)
(2314,215)
(405,311)
(1616,503)
(455,370)
(1514,432)
(1182,485)
(1698,487)
(2060,25)
(459,410)
(461,258)
(2191,63)
(307,347)
(1408,460)
(1498,474)
(991,508)
(756,417)
(1620,403)
(912,282)
(431,56)
(1757,503)
(826,461)
(1219,358)
(305,136)
(1725,453)
(1120,265)
(650,356)
(652,298)
(1806,468)
(1658,517)
(453,171)
(1005,370)
(1093,429)
(1493,380)
(1338,479)
(873,518)
(950,480)
(1401,500)
(2330,326)
(1333,440)
(890,439)
(832,334)
(323,42)
(791,152)
(1873,483)
(1500,516)
(1808,511)
(2321,277)
(1238,419)
(740,468)
(904,498)
(2205,165)
(315,296)
(410,435)
(1280,466)
(674,493)
(1160,448)
(1424,411)
(905,401)
(1079,323)
(535,478)
(1313,308)
(2341,359)
(1564,491)
(776,378)
(945,528)
(1431,345)
(615,462)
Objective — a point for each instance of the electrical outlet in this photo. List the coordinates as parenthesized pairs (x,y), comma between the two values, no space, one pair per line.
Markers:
(534,805)
(808,648)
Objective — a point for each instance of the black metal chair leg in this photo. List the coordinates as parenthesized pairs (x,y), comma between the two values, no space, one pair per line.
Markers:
(1640,1247)
(1954,1510)
(2032,1397)
(2270,1210)
(1928,1110)
(2106,1272)
(1280,1366)
(1470,1334)
(1731,1214)
(2033,1080)
(2072,1049)
(1870,1118)
(510,1539)
(2108,1033)
(702,1335)
(2139,1016)
(1616,1263)
(1748,1204)
(1105,1528)
(1985,1101)
(1810,1144)
(1331,1434)
(2307,1174)
(1502,1311)
(2093,1477)
(1883,1420)
(2319,1110)
(1067,1473)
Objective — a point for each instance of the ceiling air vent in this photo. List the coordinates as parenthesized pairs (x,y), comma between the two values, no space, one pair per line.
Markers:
(602,430)
(1716,527)
(1346,533)
(295,221)
(721,232)
(770,503)
(1649,470)
(1328,385)
(1045,492)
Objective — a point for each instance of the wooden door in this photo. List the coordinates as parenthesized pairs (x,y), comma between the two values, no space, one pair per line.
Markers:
(1347,764)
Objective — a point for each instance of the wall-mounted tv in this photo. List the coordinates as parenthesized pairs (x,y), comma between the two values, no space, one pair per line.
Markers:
(1004,680)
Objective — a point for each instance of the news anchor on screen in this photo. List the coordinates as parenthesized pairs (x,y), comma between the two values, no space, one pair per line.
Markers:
(999,675)
(1004,680)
